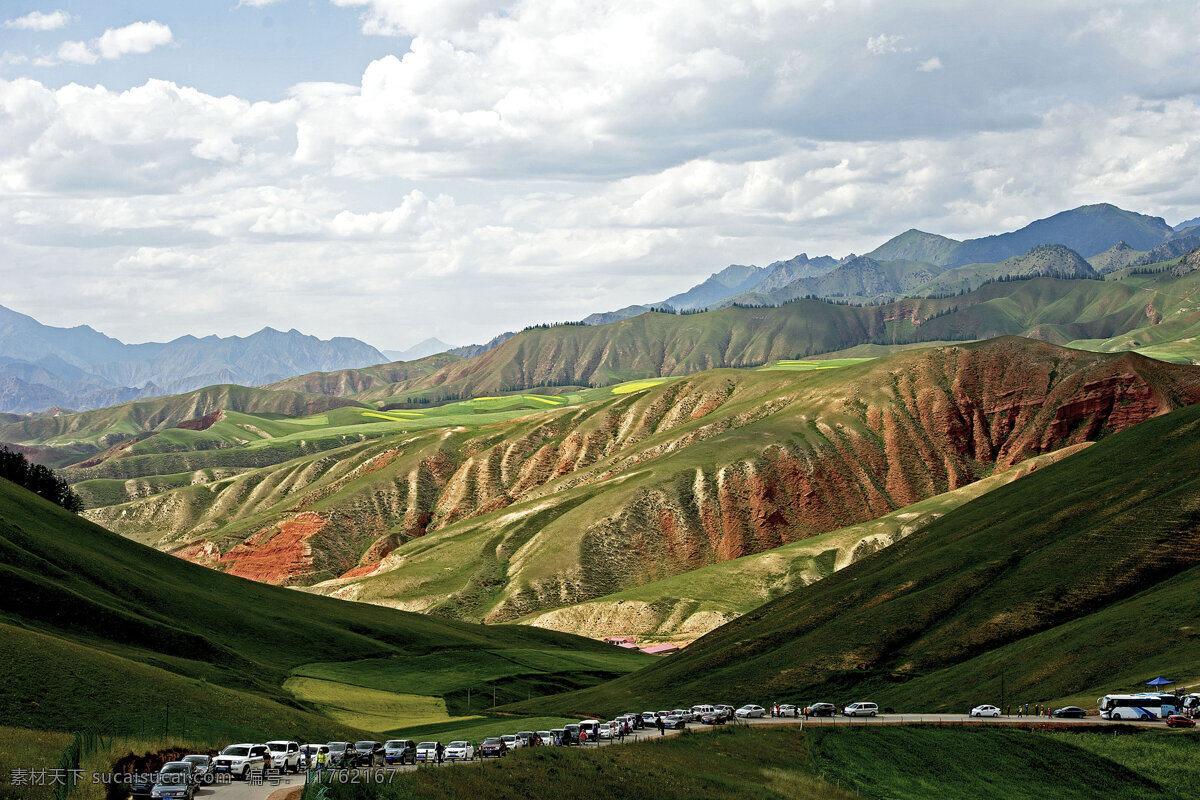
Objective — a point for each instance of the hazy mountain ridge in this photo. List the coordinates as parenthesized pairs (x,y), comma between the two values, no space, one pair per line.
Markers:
(81,368)
(427,347)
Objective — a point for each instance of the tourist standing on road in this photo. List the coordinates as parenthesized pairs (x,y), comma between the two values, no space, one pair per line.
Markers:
(662,728)
(441,752)
(796,712)
(806,712)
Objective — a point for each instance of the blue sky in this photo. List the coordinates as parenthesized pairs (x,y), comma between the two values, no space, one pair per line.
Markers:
(217,47)
(397,169)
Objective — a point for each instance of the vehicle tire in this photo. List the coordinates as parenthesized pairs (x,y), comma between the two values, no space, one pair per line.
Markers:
(872,713)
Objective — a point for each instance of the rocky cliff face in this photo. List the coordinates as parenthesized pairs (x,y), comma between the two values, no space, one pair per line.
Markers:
(577,503)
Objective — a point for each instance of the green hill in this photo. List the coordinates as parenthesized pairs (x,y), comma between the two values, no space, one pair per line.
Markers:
(589,498)
(70,438)
(94,627)
(686,606)
(1077,580)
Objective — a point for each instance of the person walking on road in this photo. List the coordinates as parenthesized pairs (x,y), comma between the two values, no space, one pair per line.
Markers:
(662,728)
(441,753)
(322,758)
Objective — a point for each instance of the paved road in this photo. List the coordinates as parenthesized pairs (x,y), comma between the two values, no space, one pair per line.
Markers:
(243,790)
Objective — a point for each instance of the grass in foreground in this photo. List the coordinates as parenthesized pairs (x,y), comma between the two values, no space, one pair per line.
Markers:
(887,763)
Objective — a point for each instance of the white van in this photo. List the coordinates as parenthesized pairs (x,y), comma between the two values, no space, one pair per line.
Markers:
(592,726)
(860,710)
(698,712)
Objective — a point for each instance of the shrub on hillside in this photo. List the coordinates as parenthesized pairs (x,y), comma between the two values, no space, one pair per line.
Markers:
(38,479)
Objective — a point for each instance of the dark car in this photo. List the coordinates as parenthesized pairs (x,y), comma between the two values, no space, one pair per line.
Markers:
(493,747)
(822,710)
(368,754)
(1069,712)
(400,751)
(176,781)
(571,734)
(202,768)
(141,785)
(714,718)
(1180,721)
(342,755)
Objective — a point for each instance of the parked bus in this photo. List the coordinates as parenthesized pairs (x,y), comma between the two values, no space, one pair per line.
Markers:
(1137,706)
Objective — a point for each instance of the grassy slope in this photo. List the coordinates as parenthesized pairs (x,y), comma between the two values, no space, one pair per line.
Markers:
(1079,579)
(674,608)
(72,437)
(873,762)
(99,626)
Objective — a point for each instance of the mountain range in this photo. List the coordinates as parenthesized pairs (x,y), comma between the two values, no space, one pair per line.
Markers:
(42,367)
(80,368)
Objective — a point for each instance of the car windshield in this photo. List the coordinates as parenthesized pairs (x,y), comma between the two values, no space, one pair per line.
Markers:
(172,779)
(364,745)
(491,740)
(459,744)
(233,750)
(394,744)
(427,745)
(278,747)
(338,745)
(196,759)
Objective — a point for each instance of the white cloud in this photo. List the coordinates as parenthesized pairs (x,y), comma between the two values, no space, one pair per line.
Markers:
(75,53)
(39,21)
(516,162)
(135,39)
(257,3)
(883,44)
(140,37)
(930,65)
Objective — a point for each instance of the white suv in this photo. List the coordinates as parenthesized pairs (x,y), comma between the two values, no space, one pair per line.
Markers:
(860,710)
(285,756)
(239,760)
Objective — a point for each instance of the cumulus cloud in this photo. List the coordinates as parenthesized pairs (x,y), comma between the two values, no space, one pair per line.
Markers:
(39,21)
(135,39)
(930,65)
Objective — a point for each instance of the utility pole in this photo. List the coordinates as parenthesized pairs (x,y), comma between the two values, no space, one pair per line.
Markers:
(468,699)
(1002,691)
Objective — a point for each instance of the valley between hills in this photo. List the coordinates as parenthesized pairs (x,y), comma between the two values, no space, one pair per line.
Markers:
(632,478)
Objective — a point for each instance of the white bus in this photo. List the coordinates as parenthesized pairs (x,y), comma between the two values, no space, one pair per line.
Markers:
(1137,706)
